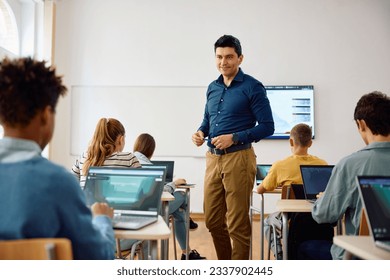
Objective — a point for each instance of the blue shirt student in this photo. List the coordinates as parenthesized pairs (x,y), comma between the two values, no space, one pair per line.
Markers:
(237,109)
(39,199)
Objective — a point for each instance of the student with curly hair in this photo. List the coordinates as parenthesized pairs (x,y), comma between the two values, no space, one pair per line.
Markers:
(39,199)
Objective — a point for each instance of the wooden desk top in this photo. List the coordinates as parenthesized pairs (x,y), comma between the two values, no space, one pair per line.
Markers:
(362,247)
(155,231)
(293,205)
(166,196)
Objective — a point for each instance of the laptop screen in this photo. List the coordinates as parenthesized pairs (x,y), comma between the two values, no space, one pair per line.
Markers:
(375,194)
(315,178)
(170,167)
(125,188)
(262,171)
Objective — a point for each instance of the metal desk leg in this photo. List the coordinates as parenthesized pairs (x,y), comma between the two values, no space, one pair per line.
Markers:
(188,223)
(261,211)
(164,243)
(285,234)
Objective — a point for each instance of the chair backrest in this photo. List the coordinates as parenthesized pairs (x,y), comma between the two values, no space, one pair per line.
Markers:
(363,228)
(287,192)
(36,249)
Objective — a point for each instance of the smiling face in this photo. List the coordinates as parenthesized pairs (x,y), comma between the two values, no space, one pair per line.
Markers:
(227,62)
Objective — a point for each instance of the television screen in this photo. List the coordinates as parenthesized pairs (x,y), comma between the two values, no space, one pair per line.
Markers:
(290,105)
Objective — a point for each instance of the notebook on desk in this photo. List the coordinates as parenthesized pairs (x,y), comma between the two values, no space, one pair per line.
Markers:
(133,193)
(315,178)
(374,192)
(262,171)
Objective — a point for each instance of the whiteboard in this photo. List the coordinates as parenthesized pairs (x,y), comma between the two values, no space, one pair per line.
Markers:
(170,114)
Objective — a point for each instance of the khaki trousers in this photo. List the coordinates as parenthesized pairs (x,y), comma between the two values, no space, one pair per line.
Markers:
(228,185)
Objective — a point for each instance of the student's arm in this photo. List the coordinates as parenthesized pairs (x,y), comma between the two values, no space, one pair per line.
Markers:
(91,237)
(261,189)
(334,201)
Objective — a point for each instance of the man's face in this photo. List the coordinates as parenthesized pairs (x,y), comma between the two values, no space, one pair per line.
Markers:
(227,61)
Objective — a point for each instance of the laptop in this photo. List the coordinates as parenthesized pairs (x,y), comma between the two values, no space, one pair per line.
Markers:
(299,193)
(374,192)
(315,178)
(170,165)
(262,171)
(133,193)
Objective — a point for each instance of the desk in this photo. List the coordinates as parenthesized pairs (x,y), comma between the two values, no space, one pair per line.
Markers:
(261,211)
(360,246)
(156,231)
(187,189)
(165,198)
(290,205)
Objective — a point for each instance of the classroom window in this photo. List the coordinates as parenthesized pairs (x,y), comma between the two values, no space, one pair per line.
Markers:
(9,35)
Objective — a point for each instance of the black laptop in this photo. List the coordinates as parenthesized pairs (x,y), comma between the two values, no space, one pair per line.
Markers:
(315,178)
(375,195)
(262,171)
(170,165)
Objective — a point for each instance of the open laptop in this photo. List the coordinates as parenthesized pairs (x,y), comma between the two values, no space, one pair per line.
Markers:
(315,178)
(170,165)
(375,195)
(262,171)
(134,193)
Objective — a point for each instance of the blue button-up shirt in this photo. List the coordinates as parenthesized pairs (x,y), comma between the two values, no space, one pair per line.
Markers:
(241,108)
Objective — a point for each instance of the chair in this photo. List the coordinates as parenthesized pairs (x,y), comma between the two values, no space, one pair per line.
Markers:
(36,249)
(286,193)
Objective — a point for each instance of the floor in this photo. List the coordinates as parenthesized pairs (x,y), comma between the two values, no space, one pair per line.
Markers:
(200,240)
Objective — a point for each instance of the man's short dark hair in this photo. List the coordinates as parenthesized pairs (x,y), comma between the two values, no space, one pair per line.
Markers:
(229,41)
(27,86)
(374,109)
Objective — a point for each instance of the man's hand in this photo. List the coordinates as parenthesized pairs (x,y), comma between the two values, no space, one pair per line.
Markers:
(223,141)
(99,208)
(198,138)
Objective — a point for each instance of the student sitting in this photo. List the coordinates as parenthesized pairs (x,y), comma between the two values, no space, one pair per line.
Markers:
(39,199)
(106,149)
(287,172)
(144,147)
(341,197)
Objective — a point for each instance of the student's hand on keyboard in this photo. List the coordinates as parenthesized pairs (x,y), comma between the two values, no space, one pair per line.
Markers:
(99,208)
(319,194)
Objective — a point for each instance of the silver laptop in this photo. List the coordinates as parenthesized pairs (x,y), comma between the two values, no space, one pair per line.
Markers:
(375,195)
(315,178)
(134,193)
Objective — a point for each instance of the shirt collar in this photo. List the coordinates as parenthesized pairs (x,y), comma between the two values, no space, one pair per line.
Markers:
(238,78)
(16,149)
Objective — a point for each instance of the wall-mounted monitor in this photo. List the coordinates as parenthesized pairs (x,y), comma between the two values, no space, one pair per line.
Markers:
(291,105)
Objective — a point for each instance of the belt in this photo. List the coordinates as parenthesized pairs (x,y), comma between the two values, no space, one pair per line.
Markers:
(231,149)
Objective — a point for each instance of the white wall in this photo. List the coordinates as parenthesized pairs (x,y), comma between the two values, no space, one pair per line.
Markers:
(339,46)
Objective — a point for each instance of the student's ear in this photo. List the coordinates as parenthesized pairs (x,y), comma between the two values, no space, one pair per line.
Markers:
(291,142)
(45,115)
(362,126)
(310,143)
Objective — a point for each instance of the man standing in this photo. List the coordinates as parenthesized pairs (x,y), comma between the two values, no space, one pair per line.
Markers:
(237,113)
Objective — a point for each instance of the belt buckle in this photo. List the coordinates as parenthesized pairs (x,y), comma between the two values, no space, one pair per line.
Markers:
(214,151)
